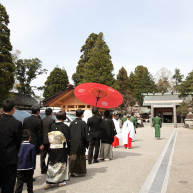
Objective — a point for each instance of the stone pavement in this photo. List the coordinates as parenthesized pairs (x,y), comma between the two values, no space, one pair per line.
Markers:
(151,166)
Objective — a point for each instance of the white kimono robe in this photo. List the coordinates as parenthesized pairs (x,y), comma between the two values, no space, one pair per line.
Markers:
(127,127)
(87,114)
(117,127)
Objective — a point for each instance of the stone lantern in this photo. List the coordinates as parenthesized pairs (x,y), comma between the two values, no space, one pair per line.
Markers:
(136,111)
(189,117)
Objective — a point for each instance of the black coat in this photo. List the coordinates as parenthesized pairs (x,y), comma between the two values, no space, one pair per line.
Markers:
(79,136)
(47,123)
(35,126)
(108,130)
(10,139)
(94,123)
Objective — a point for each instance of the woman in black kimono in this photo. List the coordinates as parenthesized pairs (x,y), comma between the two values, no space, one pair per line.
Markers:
(59,139)
(108,132)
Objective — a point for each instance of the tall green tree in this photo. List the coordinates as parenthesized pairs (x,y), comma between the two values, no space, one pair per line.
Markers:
(122,85)
(56,81)
(141,81)
(186,86)
(6,65)
(26,71)
(99,67)
(86,48)
(122,81)
(178,78)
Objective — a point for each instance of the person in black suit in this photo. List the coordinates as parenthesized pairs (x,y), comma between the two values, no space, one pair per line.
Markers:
(26,164)
(34,124)
(47,123)
(94,135)
(10,141)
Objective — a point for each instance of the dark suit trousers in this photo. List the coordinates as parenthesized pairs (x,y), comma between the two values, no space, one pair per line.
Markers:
(24,176)
(43,154)
(8,178)
(94,144)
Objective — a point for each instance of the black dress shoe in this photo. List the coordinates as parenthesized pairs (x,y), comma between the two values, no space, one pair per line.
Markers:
(89,162)
(96,161)
(44,172)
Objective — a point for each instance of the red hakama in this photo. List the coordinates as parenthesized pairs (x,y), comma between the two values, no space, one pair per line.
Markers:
(128,145)
(116,142)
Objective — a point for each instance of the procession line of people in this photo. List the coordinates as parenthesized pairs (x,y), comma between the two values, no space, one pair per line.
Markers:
(65,145)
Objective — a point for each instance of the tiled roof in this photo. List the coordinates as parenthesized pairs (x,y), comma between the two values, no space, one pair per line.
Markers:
(23,100)
(162,99)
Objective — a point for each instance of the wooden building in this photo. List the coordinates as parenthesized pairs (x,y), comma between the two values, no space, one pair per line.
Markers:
(24,102)
(164,104)
(66,100)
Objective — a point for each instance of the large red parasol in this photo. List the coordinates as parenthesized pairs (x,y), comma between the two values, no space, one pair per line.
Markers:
(98,95)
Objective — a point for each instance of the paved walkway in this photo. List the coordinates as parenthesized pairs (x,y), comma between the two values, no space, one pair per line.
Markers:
(151,166)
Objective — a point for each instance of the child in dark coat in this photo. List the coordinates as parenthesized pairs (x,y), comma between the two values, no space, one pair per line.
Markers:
(26,164)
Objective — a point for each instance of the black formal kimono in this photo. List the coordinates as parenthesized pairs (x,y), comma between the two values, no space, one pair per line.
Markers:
(108,131)
(58,154)
(107,137)
(79,143)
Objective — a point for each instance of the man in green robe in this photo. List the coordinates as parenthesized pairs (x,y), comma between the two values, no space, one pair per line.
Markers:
(134,121)
(124,118)
(157,123)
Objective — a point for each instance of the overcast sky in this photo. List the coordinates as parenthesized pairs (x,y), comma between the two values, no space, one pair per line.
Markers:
(152,33)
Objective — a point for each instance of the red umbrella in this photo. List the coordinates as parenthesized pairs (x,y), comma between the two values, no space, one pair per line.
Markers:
(98,95)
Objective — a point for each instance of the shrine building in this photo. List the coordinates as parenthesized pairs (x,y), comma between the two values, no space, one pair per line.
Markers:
(164,104)
(66,100)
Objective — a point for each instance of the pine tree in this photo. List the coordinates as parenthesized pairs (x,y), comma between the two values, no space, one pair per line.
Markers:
(141,81)
(186,86)
(6,65)
(122,85)
(56,81)
(122,81)
(99,66)
(86,48)
(178,78)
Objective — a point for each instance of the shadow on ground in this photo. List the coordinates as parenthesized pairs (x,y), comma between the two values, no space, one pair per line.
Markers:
(40,180)
(124,153)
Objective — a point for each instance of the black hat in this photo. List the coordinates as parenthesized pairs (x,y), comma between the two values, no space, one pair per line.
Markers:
(94,110)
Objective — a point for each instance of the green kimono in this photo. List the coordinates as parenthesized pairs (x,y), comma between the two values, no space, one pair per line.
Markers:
(157,123)
(123,119)
(134,121)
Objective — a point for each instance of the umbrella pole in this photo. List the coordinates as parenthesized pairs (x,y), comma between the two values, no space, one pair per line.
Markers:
(98,98)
